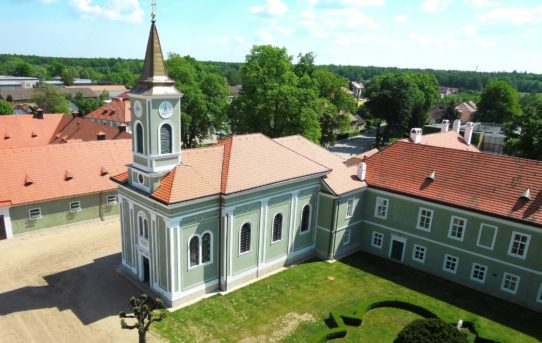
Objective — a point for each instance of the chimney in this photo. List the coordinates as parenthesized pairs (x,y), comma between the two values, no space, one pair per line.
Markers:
(122,127)
(362,170)
(457,125)
(100,136)
(75,114)
(416,135)
(38,113)
(468,133)
(445,126)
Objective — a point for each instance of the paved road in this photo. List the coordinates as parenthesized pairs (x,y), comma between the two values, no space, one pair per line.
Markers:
(62,286)
(354,145)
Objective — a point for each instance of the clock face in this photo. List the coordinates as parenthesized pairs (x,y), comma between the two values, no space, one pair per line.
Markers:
(138,109)
(165,109)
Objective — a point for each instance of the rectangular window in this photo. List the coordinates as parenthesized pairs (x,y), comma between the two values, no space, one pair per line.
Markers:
(350,208)
(478,273)
(519,245)
(381,208)
(425,217)
(346,237)
(450,263)
(377,240)
(486,236)
(457,228)
(418,253)
(510,283)
(75,206)
(111,200)
(34,213)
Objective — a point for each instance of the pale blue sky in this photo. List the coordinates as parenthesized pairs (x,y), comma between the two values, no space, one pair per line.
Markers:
(490,35)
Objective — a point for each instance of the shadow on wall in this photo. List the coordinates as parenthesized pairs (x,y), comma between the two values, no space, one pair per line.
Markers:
(92,292)
(481,304)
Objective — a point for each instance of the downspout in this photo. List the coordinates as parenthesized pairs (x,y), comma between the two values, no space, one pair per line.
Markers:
(334,218)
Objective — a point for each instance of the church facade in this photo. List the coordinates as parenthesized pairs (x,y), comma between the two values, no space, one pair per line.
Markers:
(208,219)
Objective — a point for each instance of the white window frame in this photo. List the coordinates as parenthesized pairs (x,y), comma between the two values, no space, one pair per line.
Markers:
(200,249)
(379,202)
(480,235)
(539,294)
(422,248)
(510,253)
(373,236)
(474,265)
(347,236)
(464,228)
(239,238)
(349,208)
(112,202)
(508,290)
(446,257)
(77,209)
(427,229)
(142,235)
(199,252)
(34,217)
(273,228)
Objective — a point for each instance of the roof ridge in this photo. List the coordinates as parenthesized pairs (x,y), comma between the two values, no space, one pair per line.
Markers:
(166,185)
(335,156)
(227,142)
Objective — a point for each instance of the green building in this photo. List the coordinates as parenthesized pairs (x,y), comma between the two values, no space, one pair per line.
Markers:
(208,219)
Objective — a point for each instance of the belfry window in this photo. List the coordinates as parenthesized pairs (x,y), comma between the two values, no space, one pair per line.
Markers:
(139,138)
(244,238)
(165,139)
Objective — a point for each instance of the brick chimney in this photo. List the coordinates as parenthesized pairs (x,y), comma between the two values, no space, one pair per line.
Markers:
(416,135)
(445,126)
(38,113)
(457,125)
(468,133)
(122,128)
(100,136)
(75,114)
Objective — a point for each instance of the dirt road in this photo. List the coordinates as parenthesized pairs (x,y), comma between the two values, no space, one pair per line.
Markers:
(61,285)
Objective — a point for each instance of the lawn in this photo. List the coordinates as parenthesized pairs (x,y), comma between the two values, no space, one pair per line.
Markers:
(291,306)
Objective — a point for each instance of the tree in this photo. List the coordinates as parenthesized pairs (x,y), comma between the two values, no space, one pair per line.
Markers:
(68,76)
(51,99)
(5,108)
(85,105)
(524,132)
(431,330)
(499,102)
(428,86)
(23,69)
(143,309)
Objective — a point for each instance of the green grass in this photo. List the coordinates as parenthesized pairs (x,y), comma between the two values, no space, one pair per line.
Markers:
(291,306)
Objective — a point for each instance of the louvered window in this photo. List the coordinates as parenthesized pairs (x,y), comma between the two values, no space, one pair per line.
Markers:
(206,248)
(194,251)
(165,139)
(277,228)
(244,239)
(139,138)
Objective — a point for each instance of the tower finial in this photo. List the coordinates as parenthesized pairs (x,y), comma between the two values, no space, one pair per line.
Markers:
(153,13)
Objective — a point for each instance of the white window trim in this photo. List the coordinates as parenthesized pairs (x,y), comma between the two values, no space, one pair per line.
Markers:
(200,250)
(112,202)
(381,239)
(30,214)
(301,219)
(480,235)
(472,273)
(507,290)
(348,233)
(539,295)
(239,238)
(524,256)
(414,253)
(420,216)
(452,224)
(78,209)
(446,256)
(378,200)
(349,206)
(144,216)
(273,228)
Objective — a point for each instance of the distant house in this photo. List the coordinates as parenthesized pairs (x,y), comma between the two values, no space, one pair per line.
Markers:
(113,90)
(113,114)
(466,110)
(356,122)
(358,89)
(24,95)
(445,91)
(18,81)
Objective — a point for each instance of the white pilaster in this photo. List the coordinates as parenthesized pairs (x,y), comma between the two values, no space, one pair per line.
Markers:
(293,216)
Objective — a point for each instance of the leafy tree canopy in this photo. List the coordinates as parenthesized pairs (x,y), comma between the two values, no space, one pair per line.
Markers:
(499,102)
(524,131)
(5,108)
(51,99)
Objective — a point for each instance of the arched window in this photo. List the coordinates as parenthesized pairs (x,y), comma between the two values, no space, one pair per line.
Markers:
(165,139)
(139,138)
(143,225)
(305,218)
(206,248)
(277,228)
(244,238)
(140,225)
(194,251)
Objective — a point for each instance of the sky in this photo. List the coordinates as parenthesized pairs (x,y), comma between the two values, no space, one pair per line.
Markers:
(483,35)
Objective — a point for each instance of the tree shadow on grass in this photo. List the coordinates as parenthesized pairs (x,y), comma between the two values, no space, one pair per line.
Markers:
(92,292)
(481,304)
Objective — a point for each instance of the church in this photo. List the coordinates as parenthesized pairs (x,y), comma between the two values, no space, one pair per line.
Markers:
(210,219)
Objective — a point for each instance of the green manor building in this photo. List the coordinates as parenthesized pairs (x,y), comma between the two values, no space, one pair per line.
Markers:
(209,219)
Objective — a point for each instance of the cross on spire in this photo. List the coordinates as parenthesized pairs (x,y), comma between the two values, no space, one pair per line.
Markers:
(153,13)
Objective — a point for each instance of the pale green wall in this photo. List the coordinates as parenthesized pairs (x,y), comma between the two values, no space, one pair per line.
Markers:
(275,206)
(249,213)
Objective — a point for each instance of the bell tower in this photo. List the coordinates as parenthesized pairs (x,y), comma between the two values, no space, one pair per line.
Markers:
(156,119)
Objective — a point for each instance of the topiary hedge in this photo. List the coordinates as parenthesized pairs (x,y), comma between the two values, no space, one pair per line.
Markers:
(430,330)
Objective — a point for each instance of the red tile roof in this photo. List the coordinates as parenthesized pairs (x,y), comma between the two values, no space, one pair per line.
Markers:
(21,131)
(116,110)
(485,183)
(65,170)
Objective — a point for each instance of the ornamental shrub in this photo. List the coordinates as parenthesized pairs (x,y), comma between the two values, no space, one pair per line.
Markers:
(431,330)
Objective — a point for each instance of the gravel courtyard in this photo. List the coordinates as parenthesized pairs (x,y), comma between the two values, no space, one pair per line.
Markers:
(61,285)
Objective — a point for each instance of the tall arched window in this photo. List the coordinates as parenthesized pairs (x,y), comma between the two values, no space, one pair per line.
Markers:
(194,251)
(277,228)
(143,225)
(139,138)
(165,139)
(206,248)
(305,218)
(244,238)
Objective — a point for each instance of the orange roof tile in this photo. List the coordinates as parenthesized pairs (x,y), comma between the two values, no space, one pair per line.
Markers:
(355,160)
(119,111)
(474,181)
(64,170)
(450,139)
(341,179)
